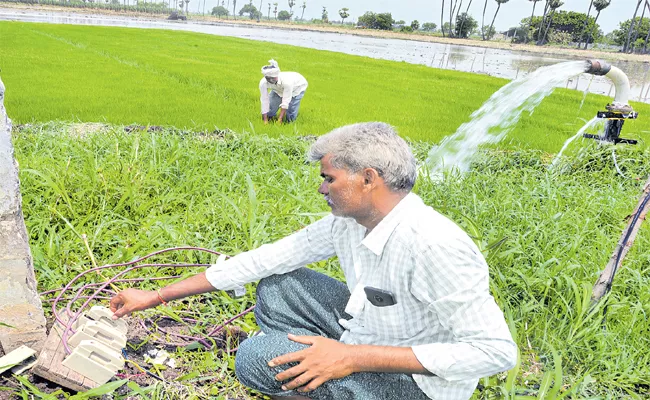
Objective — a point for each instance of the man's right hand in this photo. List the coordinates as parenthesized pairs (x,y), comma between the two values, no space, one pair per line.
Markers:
(130,300)
(265,118)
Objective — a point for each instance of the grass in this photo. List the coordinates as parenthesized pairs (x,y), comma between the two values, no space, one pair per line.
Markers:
(196,81)
(133,193)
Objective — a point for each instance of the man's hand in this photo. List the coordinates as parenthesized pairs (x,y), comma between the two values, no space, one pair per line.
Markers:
(283,112)
(265,118)
(130,300)
(324,360)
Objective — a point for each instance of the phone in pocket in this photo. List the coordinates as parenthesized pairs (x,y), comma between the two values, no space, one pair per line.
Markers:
(379,297)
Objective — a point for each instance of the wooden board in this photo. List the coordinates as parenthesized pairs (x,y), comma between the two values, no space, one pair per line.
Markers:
(49,365)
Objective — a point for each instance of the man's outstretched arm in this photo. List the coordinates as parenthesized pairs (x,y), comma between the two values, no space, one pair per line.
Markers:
(130,300)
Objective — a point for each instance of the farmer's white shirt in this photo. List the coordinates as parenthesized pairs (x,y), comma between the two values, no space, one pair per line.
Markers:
(437,275)
(290,84)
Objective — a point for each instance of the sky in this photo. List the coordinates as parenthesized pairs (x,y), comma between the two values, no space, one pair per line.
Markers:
(429,10)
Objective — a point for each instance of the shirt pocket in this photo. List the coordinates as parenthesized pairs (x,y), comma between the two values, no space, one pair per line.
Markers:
(393,322)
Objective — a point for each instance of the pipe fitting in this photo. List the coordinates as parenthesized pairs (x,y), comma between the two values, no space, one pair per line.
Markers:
(597,67)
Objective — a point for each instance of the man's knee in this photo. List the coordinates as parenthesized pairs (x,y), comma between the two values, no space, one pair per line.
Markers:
(253,355)
(251,366)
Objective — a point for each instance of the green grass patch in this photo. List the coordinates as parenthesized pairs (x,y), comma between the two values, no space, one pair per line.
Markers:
(133,193)
(197,81)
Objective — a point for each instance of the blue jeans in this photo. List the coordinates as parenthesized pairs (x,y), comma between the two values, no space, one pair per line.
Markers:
(305,302)
(294,105)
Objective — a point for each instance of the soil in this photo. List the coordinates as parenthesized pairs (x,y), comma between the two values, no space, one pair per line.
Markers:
(140,341)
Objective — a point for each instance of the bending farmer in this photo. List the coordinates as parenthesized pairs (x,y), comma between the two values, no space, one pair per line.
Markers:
(286,92)
(414,319)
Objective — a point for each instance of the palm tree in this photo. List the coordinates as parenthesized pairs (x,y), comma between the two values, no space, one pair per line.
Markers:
(291,4)
(343,12)
(632,23)
(259,12)
(584,27)
(638,26)
(462,21)
(234,8)
(531,17)
(599,5)
(483,21)
(442,16)
(187,4)
(275,10)
(553,5)
(268,16)
(303,6)
(452,7)
(499,2)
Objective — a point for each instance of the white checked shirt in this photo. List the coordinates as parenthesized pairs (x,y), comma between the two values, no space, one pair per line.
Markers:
(438,277)
(290,84)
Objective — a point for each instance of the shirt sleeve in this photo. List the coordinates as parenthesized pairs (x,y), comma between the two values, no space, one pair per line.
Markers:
(311,244)
(264,96)
(452,278)
(287,94)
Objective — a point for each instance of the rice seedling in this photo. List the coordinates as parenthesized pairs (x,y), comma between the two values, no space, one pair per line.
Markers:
(196,81)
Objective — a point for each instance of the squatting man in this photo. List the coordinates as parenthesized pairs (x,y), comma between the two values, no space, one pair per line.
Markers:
(415,318)
(281,91)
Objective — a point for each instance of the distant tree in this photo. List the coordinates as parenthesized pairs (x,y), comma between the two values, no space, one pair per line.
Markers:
(442,15)
(599,5)
(275,10)
(234,7)
(259,14)
(565,21)
(415,25)
(584,28)
(268,15)
(324,15)
(371,20)
(448,27)
(552,5)
(488,32)
(343,13)
(303,6)
(532,14)
(483,20)
(291,4)
(466,12)
(620,34)
(465,24)
(429,26)
(499,2)
(251,10)
(406,29)
(631,26)
(400,22)
(220,11)
(284,15)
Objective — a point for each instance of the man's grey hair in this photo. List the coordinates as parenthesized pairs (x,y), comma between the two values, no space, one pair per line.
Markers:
(369,145)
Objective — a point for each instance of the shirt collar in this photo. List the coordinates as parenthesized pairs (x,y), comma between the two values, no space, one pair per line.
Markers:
(376,240)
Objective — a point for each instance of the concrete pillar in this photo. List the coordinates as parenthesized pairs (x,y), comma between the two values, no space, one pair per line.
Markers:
(20,305)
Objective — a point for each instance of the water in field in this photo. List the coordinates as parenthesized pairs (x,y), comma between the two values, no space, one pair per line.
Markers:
(591,123)
(497,116)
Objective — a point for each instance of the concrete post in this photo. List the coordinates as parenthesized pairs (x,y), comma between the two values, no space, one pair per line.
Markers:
(20,305)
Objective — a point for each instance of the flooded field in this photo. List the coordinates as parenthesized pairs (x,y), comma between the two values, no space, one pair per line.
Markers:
(495,62)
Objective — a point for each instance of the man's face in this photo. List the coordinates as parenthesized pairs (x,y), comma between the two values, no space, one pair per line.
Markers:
(272,79)
(343,191)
